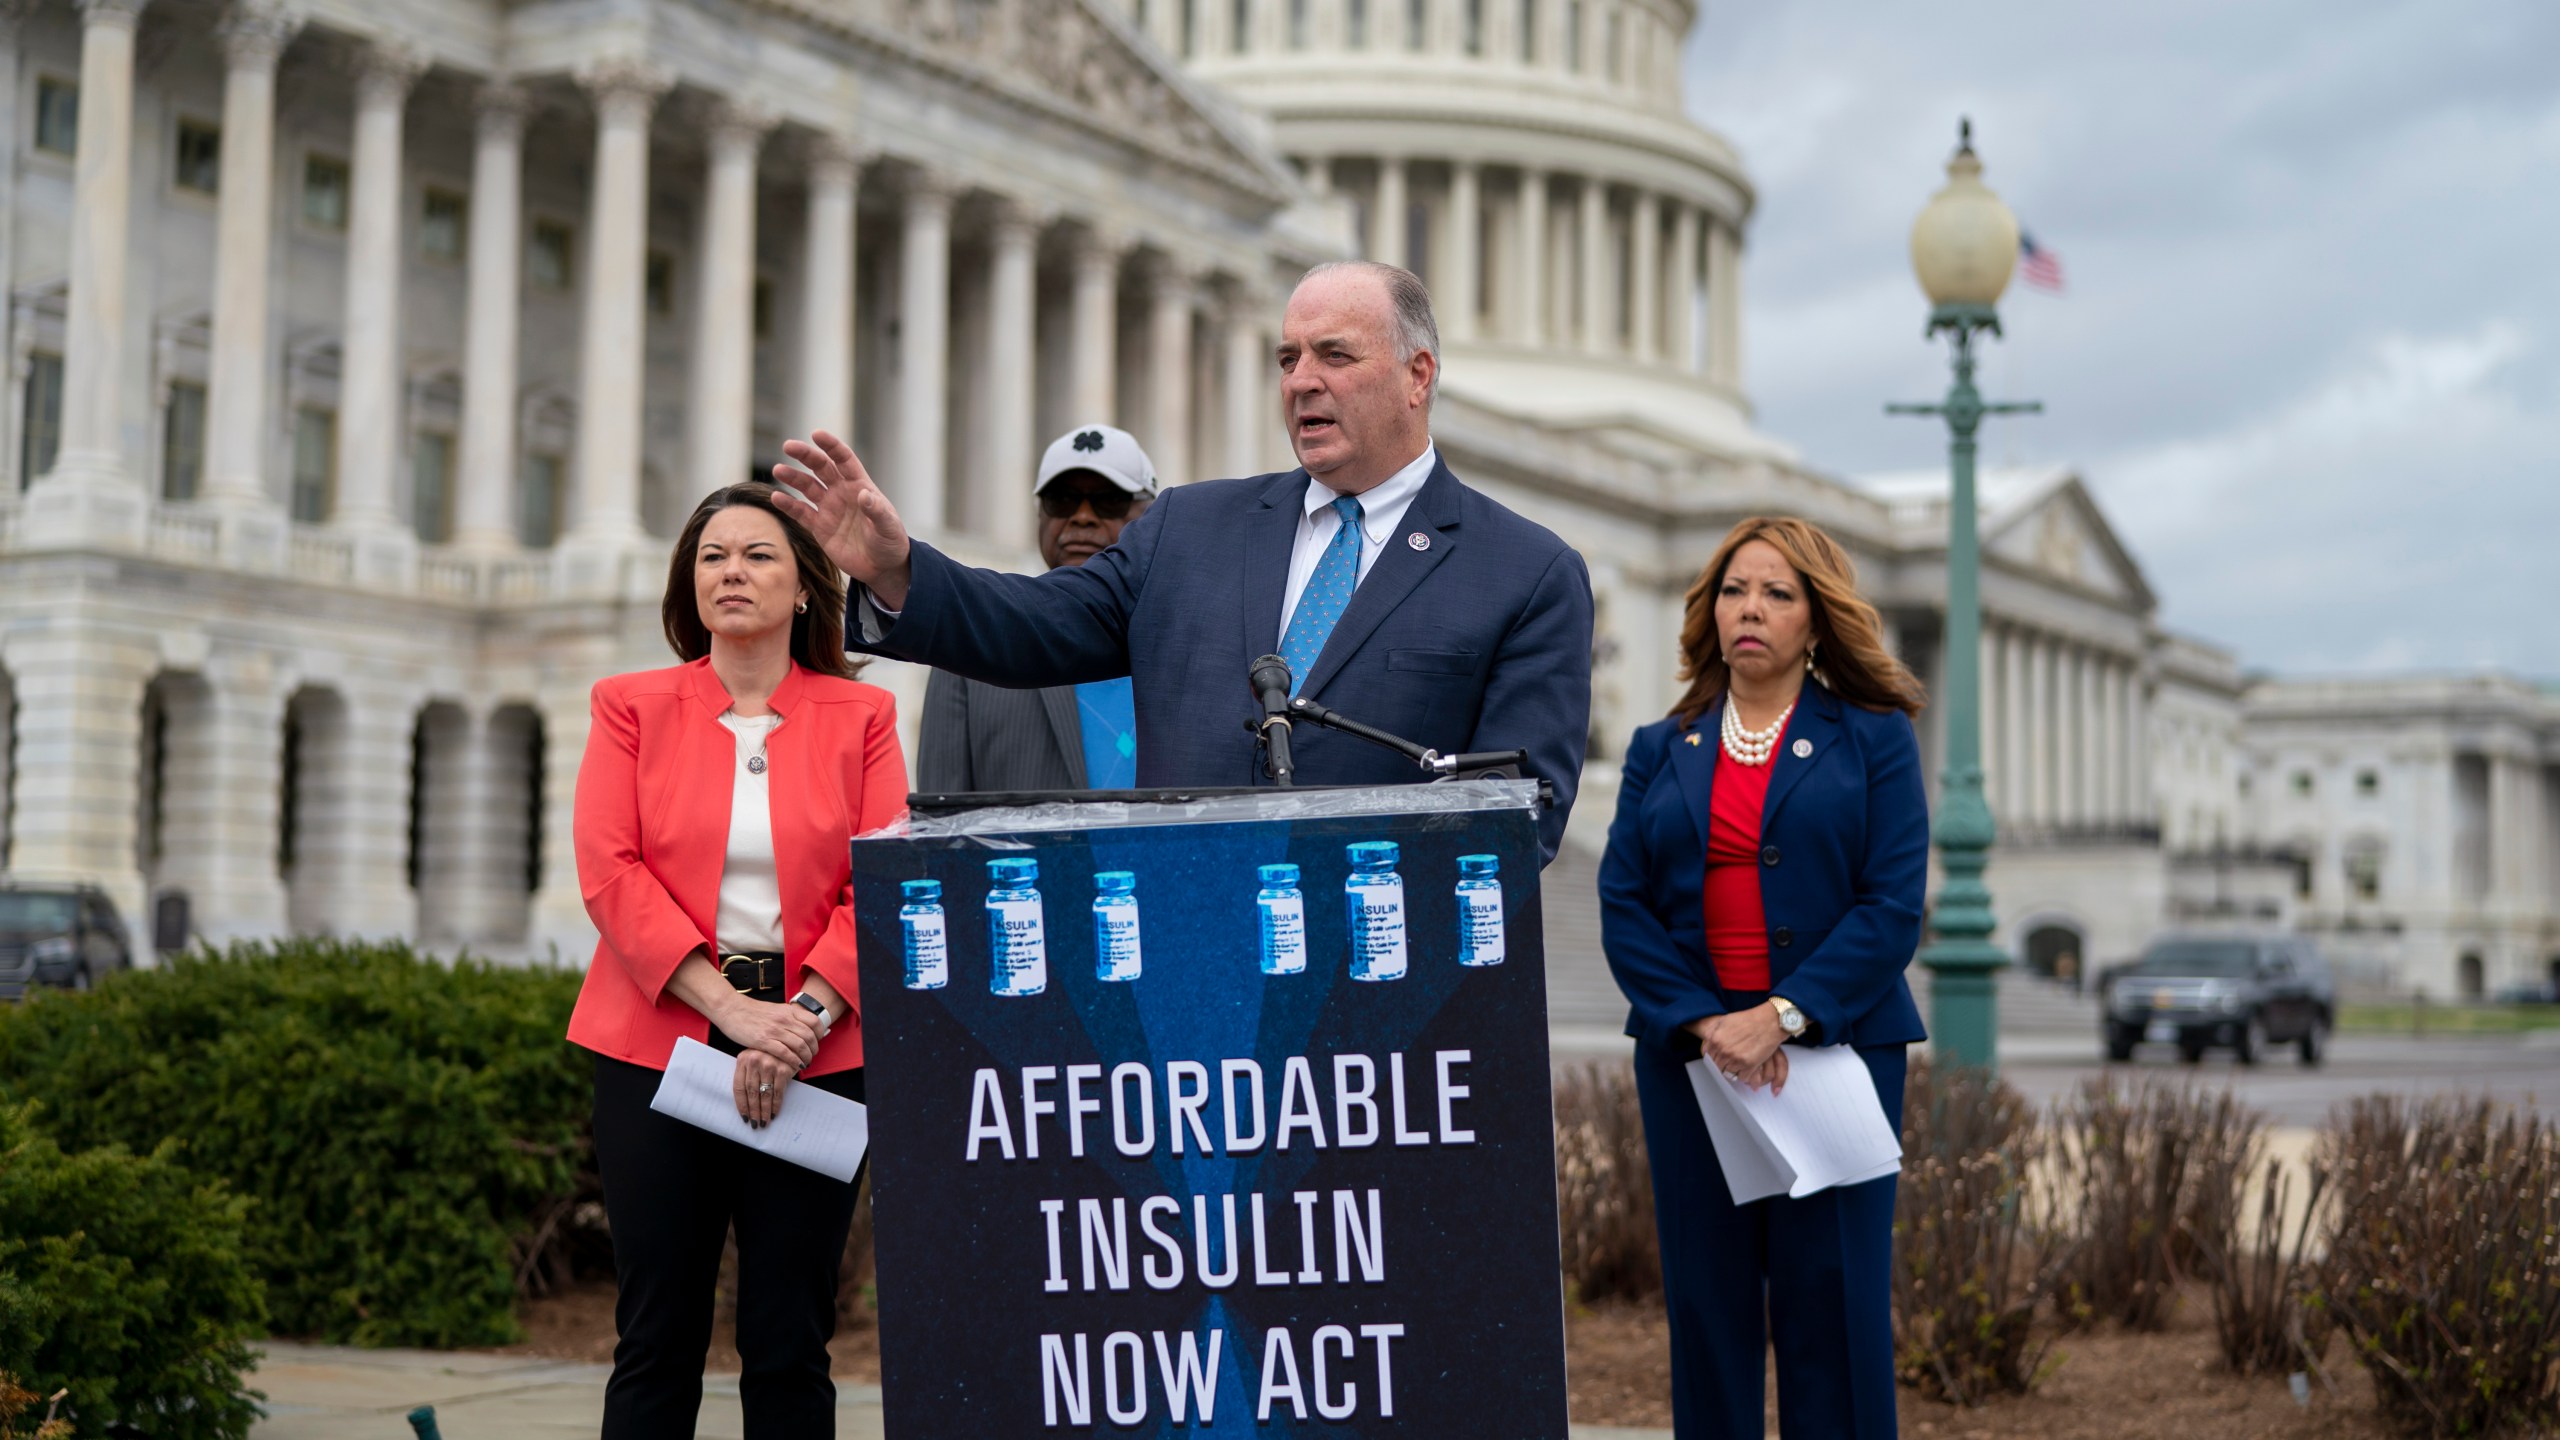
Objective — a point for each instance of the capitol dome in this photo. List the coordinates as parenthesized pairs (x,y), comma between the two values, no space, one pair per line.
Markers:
(1531,160)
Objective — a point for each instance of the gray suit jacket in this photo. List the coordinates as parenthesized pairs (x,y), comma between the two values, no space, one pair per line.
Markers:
(977,736)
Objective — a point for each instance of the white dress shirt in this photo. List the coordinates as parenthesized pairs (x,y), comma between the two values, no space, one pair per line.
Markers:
(1382,510)
(750,915)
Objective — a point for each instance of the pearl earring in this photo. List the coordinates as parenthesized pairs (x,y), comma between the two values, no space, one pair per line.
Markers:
(800,609)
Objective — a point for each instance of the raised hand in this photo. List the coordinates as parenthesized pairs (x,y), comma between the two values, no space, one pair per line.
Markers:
(852,520)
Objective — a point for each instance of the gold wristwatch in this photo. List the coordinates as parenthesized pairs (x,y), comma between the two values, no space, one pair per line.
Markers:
(1790,1019)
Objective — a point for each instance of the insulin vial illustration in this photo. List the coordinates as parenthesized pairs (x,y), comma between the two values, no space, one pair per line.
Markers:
(1284,921)
(1479,911)
(1016,940)
(928,942)
(1115,925)
(1373,901)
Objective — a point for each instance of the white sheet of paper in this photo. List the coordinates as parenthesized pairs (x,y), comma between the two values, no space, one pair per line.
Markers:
(1829,1128)
(822,1132)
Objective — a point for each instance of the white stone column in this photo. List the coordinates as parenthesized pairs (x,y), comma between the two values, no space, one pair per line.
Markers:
(1251,396)
(2041,739)
(825,399)
(236,420)
(370,374)
(1094,320)
(78,686)
(1004,491)
(484,518)
(721,388)
(1644,260)
(613,321)
(2021,723)
(1680,303)
(1993,734)
(367,892)
(1388,228)
(2092,738)
(501,807)
(2137,754)
(1173,295)
(1529,283)
(92,492)
(447,780)
(559,912)
(924,353)
(1724,304)
(220,842)
(1592,264)
(1463,291)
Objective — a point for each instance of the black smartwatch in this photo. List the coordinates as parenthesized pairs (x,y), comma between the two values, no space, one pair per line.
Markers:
(809,1002)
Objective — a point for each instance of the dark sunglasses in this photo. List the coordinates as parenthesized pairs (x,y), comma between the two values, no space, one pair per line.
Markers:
(1062,503)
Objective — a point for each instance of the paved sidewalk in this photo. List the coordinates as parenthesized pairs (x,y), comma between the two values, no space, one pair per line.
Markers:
(322,1392)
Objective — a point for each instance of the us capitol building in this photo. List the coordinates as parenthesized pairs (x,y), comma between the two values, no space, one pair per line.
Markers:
(364,356)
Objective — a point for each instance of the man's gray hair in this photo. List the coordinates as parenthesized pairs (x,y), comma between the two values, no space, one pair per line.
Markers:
(1415,329)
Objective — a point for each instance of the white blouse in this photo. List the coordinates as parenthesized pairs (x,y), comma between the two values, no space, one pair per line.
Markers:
(750,894)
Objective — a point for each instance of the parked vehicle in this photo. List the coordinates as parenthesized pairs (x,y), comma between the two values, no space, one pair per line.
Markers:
(64,935)
(2241,992)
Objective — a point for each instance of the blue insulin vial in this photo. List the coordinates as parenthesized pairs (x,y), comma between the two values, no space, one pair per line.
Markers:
(1479,911)
(1373,902)
(1284,921)
(1018,943)
(1115,925)
(928,941)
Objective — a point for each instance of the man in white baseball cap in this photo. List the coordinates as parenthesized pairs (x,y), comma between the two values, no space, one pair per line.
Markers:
(1093,481)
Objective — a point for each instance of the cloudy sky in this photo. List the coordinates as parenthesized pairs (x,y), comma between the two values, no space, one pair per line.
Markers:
(2309,357)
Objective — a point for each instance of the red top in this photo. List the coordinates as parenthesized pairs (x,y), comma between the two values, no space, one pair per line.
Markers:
(1737,929)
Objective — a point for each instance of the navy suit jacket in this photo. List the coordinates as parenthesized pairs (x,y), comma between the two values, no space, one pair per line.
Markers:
(1844,869)
(1478,640)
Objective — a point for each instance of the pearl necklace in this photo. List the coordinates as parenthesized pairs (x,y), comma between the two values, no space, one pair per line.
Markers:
(1751,747)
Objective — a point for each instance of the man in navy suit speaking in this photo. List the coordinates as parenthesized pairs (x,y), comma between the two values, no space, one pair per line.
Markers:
(1398,596)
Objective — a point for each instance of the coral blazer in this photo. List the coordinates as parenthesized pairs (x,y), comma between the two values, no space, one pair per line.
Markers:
(652,837)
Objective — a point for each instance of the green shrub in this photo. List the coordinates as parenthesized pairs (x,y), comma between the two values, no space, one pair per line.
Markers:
(412,1135)
(1969,1272)
(122,1279)
(1604,1186)
(2444,1268)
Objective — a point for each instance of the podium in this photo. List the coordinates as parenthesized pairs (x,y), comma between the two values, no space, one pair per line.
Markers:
(1214,1111)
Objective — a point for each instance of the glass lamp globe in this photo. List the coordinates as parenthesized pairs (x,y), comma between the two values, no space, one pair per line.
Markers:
(1965,243)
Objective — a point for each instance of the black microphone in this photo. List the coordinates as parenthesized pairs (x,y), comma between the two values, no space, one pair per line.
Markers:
(1271,684)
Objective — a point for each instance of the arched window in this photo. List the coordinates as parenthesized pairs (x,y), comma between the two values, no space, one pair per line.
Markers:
(2470,978)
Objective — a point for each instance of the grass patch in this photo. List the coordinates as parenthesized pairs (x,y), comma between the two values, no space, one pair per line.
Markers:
(2447,1019)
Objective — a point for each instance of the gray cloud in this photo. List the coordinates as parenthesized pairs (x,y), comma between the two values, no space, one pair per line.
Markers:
(2310,358)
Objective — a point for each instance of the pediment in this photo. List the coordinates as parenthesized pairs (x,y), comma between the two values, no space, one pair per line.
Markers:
(2058,531)
(1089,63)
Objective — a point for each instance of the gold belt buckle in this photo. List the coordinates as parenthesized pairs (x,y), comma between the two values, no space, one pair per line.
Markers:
(759,981)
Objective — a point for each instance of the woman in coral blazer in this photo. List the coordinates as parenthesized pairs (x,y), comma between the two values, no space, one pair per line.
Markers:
(714,806)
(1762,893)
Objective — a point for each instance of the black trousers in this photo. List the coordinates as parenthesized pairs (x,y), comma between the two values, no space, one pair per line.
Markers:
(671,1193)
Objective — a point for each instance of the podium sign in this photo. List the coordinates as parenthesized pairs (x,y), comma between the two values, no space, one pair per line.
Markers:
(1192,1118)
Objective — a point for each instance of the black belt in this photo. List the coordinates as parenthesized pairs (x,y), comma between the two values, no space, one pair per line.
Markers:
(756,973)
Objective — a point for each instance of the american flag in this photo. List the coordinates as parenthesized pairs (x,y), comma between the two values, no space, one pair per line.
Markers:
(2038,266)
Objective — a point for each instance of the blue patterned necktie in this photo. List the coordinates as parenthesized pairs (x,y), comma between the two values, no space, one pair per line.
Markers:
(1327,595)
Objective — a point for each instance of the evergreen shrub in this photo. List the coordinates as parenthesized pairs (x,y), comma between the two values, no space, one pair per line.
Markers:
(122,1280)
(411,1135)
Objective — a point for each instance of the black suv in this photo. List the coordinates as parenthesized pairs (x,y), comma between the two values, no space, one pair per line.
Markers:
(2243,991)
(66,935)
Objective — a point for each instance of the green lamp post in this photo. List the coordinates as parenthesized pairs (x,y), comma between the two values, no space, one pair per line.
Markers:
(1963,247)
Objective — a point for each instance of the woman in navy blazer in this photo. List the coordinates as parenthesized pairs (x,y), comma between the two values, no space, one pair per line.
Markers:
(1762,889)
